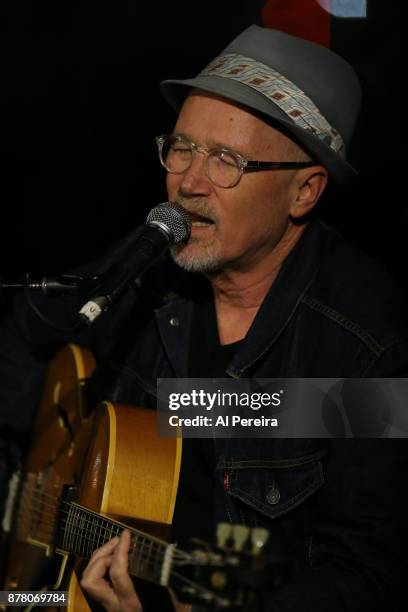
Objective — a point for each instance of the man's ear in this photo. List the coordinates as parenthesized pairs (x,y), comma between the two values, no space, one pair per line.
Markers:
(309,185)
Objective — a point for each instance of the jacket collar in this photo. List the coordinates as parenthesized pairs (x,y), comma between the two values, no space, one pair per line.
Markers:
(174,319)
(294,278)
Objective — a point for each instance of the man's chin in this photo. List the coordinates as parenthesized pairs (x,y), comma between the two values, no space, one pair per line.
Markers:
(194,262)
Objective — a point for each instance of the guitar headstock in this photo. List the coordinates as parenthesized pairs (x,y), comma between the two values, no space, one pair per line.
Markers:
(230,574)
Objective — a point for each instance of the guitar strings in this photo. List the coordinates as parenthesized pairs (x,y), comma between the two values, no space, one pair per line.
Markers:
(27,520)
(143,555)
(147,558)
(151,554)
(97,530)
(96,526)
(143,560)
(51,510)
(88,535)
(45,518)
(37,495)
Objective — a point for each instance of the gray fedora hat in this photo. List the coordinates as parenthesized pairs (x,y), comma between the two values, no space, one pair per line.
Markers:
(311,92)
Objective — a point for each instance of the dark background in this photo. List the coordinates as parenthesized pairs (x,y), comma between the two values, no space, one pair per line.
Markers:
(80,107)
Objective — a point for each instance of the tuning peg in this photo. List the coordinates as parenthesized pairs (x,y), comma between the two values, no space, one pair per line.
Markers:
(240,535)
(259,537)
(224,531)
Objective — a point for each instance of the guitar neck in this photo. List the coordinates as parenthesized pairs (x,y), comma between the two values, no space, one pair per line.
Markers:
(81,531)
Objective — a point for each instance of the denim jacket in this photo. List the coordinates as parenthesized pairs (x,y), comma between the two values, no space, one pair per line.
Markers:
(338,507)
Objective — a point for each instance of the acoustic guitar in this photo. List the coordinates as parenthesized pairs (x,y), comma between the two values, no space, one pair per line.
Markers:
(89,473)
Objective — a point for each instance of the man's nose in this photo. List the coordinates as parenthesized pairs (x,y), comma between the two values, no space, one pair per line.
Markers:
(194,179)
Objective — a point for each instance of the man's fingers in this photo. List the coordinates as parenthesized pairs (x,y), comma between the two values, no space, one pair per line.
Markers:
(120,578)
(100,561)
(97,568)
(106,549)
(120,596)
(94,583)
(119,569)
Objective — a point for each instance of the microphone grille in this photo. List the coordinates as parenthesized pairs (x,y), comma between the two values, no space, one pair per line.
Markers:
(174,217)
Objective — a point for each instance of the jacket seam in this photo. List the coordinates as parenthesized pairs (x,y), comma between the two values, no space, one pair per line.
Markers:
(269,463)
(345,323)
(391,345)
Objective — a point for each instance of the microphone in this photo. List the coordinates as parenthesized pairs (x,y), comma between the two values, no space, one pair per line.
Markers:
(166,224)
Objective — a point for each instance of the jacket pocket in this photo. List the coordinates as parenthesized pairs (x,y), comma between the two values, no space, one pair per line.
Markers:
(273,486)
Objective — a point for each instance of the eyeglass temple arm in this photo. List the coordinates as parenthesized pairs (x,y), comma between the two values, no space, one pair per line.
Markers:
(261,165)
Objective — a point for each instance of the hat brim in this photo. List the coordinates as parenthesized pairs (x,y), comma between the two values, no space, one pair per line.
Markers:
(176,91)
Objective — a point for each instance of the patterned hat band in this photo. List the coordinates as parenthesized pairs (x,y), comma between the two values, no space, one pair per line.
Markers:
(282,92)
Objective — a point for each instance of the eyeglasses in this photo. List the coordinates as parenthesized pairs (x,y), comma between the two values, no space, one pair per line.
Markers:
(223,167)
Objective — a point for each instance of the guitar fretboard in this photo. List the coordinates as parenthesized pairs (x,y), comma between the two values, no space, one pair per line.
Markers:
(82,531)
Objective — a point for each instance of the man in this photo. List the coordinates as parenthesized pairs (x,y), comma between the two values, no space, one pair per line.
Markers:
(287,299)
(260,132)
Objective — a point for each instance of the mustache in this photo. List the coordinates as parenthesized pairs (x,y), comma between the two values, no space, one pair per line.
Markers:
(197,206)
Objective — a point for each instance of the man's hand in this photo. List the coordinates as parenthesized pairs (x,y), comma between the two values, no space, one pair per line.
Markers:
(112,558)
(118,593)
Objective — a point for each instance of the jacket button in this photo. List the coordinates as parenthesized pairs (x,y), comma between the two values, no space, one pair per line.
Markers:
(273,495)
(174,322)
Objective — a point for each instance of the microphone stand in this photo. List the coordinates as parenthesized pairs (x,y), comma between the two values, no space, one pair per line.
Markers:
(63,284)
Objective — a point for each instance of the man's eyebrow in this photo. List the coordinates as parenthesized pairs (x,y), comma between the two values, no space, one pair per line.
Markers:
(212,144)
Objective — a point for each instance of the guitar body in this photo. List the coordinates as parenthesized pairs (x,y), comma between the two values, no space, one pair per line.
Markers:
(58,445)
(134,479)
(111,458)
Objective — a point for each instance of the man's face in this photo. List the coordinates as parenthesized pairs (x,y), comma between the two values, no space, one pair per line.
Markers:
(237,227)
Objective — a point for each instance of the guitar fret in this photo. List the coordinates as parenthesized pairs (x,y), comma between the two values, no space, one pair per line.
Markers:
(101,538)
(141,562)
(93,535)
(82,533)
(71,524)
(65,533)
(92,543)
(82,528)
(140,559)
(70,537)
(86,531)
(78,533)
(87,536)
(73,530)
(95,525)
(148,557)
(99,535)
(77,536)
(107,532)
